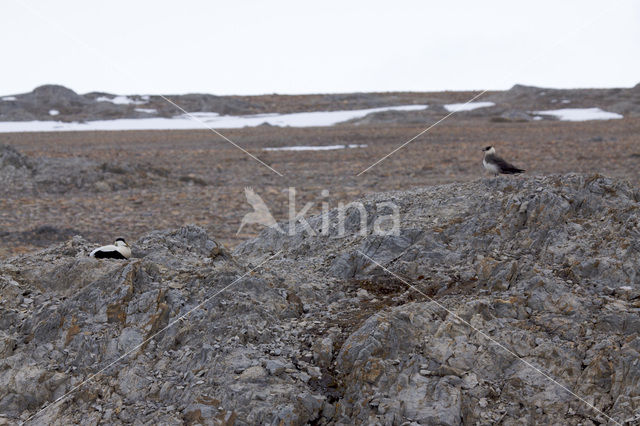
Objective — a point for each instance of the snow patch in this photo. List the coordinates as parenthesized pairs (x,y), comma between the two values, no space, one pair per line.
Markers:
(580,114)
(120,100)
(9,98)
(147,110)
(469,106)
(200,120)
(54,112)
(315,148)
(298,119)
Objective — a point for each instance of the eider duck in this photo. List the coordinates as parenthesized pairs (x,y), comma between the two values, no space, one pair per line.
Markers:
(118,250)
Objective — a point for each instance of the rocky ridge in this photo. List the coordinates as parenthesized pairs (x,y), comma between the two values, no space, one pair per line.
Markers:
(53,102)
(58,103)
(342,327)
(517,105)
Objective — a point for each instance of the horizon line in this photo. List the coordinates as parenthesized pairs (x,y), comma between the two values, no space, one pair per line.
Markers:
(312,93)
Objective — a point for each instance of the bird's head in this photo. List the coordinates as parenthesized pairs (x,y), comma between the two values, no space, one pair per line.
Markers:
(120,242)
(489,150)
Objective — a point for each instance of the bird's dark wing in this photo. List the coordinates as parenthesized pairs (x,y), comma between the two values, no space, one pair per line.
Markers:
(108,254)
(504,166)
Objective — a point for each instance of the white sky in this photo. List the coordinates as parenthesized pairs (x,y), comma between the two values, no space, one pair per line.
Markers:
(256,47)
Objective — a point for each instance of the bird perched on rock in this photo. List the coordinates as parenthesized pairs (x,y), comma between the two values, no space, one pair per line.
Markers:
(498,165)
(118,250)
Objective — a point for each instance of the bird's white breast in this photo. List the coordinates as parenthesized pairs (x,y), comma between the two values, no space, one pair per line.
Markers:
(125,251)
(490,167)
(109,247)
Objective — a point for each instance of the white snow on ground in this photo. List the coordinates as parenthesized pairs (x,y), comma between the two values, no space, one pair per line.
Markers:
(210,119)
(315,148)
(467,106)
(580,114)
(54,112)
(120,100)
(147,110)
(9,98)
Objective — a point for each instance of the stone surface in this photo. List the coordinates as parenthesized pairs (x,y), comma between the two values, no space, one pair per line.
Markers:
(495,284)
(45,175)
(490,296)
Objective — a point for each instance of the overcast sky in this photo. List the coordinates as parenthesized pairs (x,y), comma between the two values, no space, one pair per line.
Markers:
(256,47)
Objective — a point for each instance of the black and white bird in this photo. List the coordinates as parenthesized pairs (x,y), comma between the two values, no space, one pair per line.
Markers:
(498,165)
(118,250)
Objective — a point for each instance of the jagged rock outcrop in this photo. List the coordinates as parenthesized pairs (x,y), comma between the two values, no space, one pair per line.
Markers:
(489,295)
(546,267)
(66,317)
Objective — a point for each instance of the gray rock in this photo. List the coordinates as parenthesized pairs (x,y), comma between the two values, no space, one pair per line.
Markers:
(61,175)
(498,255)
(495,286)
(323,352)
(275,367)
(122,319)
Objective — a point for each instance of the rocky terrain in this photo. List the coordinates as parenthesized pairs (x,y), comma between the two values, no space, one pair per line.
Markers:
(511,301)
(518,103)
(53,102)
(70,106)
(61,175)
(41,177)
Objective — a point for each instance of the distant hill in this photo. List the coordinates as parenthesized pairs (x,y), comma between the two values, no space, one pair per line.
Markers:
(53,102)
